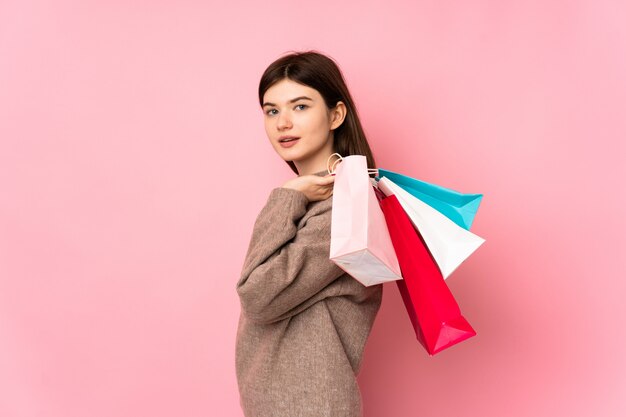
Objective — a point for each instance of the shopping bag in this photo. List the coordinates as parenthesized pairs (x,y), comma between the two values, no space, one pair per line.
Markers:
(359,241)
(448,243)
(432,309)
(458,207)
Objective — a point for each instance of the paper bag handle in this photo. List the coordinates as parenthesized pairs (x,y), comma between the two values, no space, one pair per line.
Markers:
(331,169)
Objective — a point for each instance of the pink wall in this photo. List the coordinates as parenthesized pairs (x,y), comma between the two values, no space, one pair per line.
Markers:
(133,162)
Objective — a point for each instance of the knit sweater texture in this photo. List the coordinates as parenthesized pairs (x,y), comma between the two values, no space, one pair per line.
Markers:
(304,322)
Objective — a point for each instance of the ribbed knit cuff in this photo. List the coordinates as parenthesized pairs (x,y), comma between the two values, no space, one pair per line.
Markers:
(289,194)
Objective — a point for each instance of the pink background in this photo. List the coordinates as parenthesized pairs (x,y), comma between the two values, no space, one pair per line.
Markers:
(133,163)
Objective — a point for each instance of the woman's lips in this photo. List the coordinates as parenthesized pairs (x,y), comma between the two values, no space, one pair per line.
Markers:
(289,143)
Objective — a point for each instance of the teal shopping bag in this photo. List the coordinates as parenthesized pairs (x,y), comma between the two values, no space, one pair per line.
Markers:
(458,207)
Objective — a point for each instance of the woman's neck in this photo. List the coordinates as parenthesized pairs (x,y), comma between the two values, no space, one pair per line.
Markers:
(316,163)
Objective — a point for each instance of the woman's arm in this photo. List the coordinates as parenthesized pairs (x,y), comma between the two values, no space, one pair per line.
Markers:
(286,269)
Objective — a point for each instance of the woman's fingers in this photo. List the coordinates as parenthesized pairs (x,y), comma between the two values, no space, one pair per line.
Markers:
(313,186)
(329,179)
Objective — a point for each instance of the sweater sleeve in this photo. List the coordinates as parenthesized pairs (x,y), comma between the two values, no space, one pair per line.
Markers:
(286,269)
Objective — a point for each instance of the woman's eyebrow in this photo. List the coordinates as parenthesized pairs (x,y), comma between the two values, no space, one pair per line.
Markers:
(290,101)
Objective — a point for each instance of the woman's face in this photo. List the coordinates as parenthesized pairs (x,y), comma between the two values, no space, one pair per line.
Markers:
(293,109)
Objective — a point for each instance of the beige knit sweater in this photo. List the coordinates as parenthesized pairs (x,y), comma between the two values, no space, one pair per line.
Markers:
(304,322)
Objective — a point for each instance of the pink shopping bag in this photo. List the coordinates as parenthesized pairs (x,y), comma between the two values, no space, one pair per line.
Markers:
(360,243)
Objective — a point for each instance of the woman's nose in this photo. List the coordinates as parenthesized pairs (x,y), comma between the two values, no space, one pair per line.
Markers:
(283,121)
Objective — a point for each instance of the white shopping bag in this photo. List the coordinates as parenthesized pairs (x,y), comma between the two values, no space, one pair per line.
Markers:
(448,243)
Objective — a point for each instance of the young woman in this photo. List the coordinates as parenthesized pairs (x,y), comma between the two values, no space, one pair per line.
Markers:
(304,322)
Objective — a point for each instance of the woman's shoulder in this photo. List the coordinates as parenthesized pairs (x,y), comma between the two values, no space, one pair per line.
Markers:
(321,209)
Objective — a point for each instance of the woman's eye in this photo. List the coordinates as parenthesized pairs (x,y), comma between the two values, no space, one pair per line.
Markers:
(269,112)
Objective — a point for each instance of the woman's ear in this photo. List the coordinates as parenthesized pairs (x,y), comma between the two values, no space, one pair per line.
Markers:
(338,114)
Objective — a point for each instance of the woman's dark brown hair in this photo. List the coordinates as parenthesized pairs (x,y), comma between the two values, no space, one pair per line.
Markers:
(320,72)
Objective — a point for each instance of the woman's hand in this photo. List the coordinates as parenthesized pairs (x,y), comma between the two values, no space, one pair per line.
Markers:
(314,187)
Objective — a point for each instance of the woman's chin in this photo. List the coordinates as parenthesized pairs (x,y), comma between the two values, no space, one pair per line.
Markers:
(289,156)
